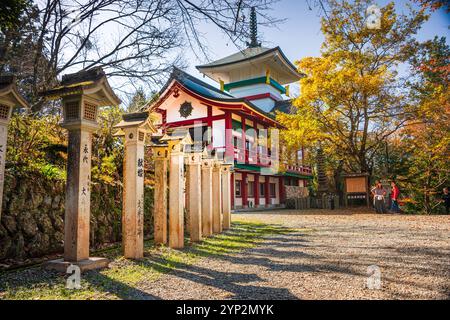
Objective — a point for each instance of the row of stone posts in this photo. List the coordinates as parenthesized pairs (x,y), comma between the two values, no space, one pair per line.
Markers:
(208,179)
(207,188)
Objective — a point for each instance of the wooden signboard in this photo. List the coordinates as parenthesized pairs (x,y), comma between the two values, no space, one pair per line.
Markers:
(356,188)
(355,184)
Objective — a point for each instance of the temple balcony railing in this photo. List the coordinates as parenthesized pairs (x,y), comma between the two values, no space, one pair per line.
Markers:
(262,159)
(254,157)
(299,169)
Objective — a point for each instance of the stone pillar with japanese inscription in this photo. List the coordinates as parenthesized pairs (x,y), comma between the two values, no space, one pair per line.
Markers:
(82,94)
(176,143)
(9,98)
(217,216)
(194,161)
(134,127)
(207,196)
(160,157)
(78,191)
(226,195)
(176,195)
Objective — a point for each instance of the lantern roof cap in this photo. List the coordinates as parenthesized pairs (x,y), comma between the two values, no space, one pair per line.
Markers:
(155,140)
(9,91)
(91,82)
(135,119)
(182,135)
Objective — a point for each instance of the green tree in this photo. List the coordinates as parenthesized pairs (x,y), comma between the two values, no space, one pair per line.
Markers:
(138,101)
(426,138)
(352,95)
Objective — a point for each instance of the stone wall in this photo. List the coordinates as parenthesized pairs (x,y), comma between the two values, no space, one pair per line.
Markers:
(295,192)
(32,220)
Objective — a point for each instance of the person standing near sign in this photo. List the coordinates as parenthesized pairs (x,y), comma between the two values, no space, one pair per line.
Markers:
(394,197)
(379,193)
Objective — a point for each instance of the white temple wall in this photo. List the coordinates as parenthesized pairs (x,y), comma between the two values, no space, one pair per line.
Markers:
(218,131)
(199,109)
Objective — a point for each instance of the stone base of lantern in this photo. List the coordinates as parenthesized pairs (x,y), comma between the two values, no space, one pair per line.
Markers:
(89,264)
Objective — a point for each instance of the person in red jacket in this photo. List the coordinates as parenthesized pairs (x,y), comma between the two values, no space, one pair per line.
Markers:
(395,192)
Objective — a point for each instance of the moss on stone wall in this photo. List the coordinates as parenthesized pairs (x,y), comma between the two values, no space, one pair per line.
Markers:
(32,220)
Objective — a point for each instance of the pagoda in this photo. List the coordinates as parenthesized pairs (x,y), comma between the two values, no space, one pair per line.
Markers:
(230,119)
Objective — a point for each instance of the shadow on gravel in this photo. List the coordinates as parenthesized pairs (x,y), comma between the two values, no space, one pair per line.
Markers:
(234,283)
(127,279)
(120,289)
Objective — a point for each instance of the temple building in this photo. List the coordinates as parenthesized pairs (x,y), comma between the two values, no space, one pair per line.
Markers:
(236,118)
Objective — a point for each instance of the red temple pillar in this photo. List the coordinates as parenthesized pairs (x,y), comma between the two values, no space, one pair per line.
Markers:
(255,149)
(244,190)
(229,147)
(266,191)
(209,121)
(243,139)
(256,190)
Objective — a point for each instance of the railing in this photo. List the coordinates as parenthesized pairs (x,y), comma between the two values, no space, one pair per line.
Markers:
(251,157)
(263,160)
(299,169)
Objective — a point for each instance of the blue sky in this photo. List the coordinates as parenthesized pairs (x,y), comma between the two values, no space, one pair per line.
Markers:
(300,36)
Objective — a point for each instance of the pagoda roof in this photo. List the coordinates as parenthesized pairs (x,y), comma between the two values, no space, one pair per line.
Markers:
(203,90)
(284,106)
(219,69)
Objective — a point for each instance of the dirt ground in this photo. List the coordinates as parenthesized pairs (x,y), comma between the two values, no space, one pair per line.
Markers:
(327,256)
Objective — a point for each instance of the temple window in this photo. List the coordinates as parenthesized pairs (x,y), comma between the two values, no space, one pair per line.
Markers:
(251,189)
(237,188)
(262,189)
(272,188)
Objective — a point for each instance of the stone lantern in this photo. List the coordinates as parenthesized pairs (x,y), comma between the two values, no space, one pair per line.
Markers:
(160,151)
(9,99)
(207,193)
(134,127)
(82,94)
(194,192)
(176,142)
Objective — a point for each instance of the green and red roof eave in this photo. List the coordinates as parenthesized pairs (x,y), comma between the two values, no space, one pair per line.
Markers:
(209,95)
(256,168)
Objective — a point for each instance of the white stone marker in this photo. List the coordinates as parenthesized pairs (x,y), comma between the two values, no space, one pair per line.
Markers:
(9,98)
(160,158)
(176,144)
(194,161)
(226,195)
(82,93)
(207,199)
(217,216)
(134,127)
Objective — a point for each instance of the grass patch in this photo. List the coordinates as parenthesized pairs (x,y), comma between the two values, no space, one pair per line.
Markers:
(126,279)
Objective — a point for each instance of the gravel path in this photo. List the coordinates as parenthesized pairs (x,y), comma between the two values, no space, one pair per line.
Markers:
(326,257)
